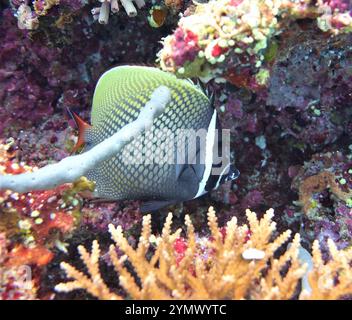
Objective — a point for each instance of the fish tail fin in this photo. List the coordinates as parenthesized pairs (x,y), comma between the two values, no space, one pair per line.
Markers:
(82,128)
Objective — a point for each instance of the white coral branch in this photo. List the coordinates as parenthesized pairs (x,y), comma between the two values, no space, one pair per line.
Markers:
(102,13)
(73,167)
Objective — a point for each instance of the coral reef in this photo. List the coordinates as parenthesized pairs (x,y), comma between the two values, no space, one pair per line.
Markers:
(236,258)
(324,187)
(16,282)
(285,95)
(47,70)
(329,280)
(127,214)
(30,13)
(309,87)
(235,39)
(40,220)
(276,131)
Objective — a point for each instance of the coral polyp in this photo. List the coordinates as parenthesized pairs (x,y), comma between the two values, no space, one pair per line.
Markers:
(234,258)
(82,84)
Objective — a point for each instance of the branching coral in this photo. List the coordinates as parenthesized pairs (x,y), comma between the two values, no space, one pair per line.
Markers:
(330,280)
(237,262)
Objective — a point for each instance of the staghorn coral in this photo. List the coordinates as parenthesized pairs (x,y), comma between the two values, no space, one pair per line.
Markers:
(329,280)
(40,77)
(240,260)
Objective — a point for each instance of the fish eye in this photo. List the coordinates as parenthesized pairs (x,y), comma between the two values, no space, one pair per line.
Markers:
(233,175)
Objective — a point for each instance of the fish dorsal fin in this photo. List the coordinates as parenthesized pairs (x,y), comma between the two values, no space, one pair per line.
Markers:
(82,128)
(199,85)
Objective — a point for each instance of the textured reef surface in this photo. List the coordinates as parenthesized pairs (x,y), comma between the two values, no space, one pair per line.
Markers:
(281,74)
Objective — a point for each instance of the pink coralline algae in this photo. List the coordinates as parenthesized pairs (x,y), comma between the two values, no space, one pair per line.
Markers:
(340,5)
(16,281)
(335,14)
(325,196)
(50,69)
(311,88)
(40,75)
(127,215)
(41,219)
(186,47)
(305,109)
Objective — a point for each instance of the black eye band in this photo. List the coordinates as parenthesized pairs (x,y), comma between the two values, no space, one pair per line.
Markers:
(211,183)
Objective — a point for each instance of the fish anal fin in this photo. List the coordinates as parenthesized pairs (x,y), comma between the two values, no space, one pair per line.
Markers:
(153,205)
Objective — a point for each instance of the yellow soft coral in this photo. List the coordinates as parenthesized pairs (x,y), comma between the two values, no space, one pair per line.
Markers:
(243,264)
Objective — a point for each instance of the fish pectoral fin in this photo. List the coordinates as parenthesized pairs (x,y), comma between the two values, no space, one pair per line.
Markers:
(191,173)
(179,170)
(154,205)
(192,170)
